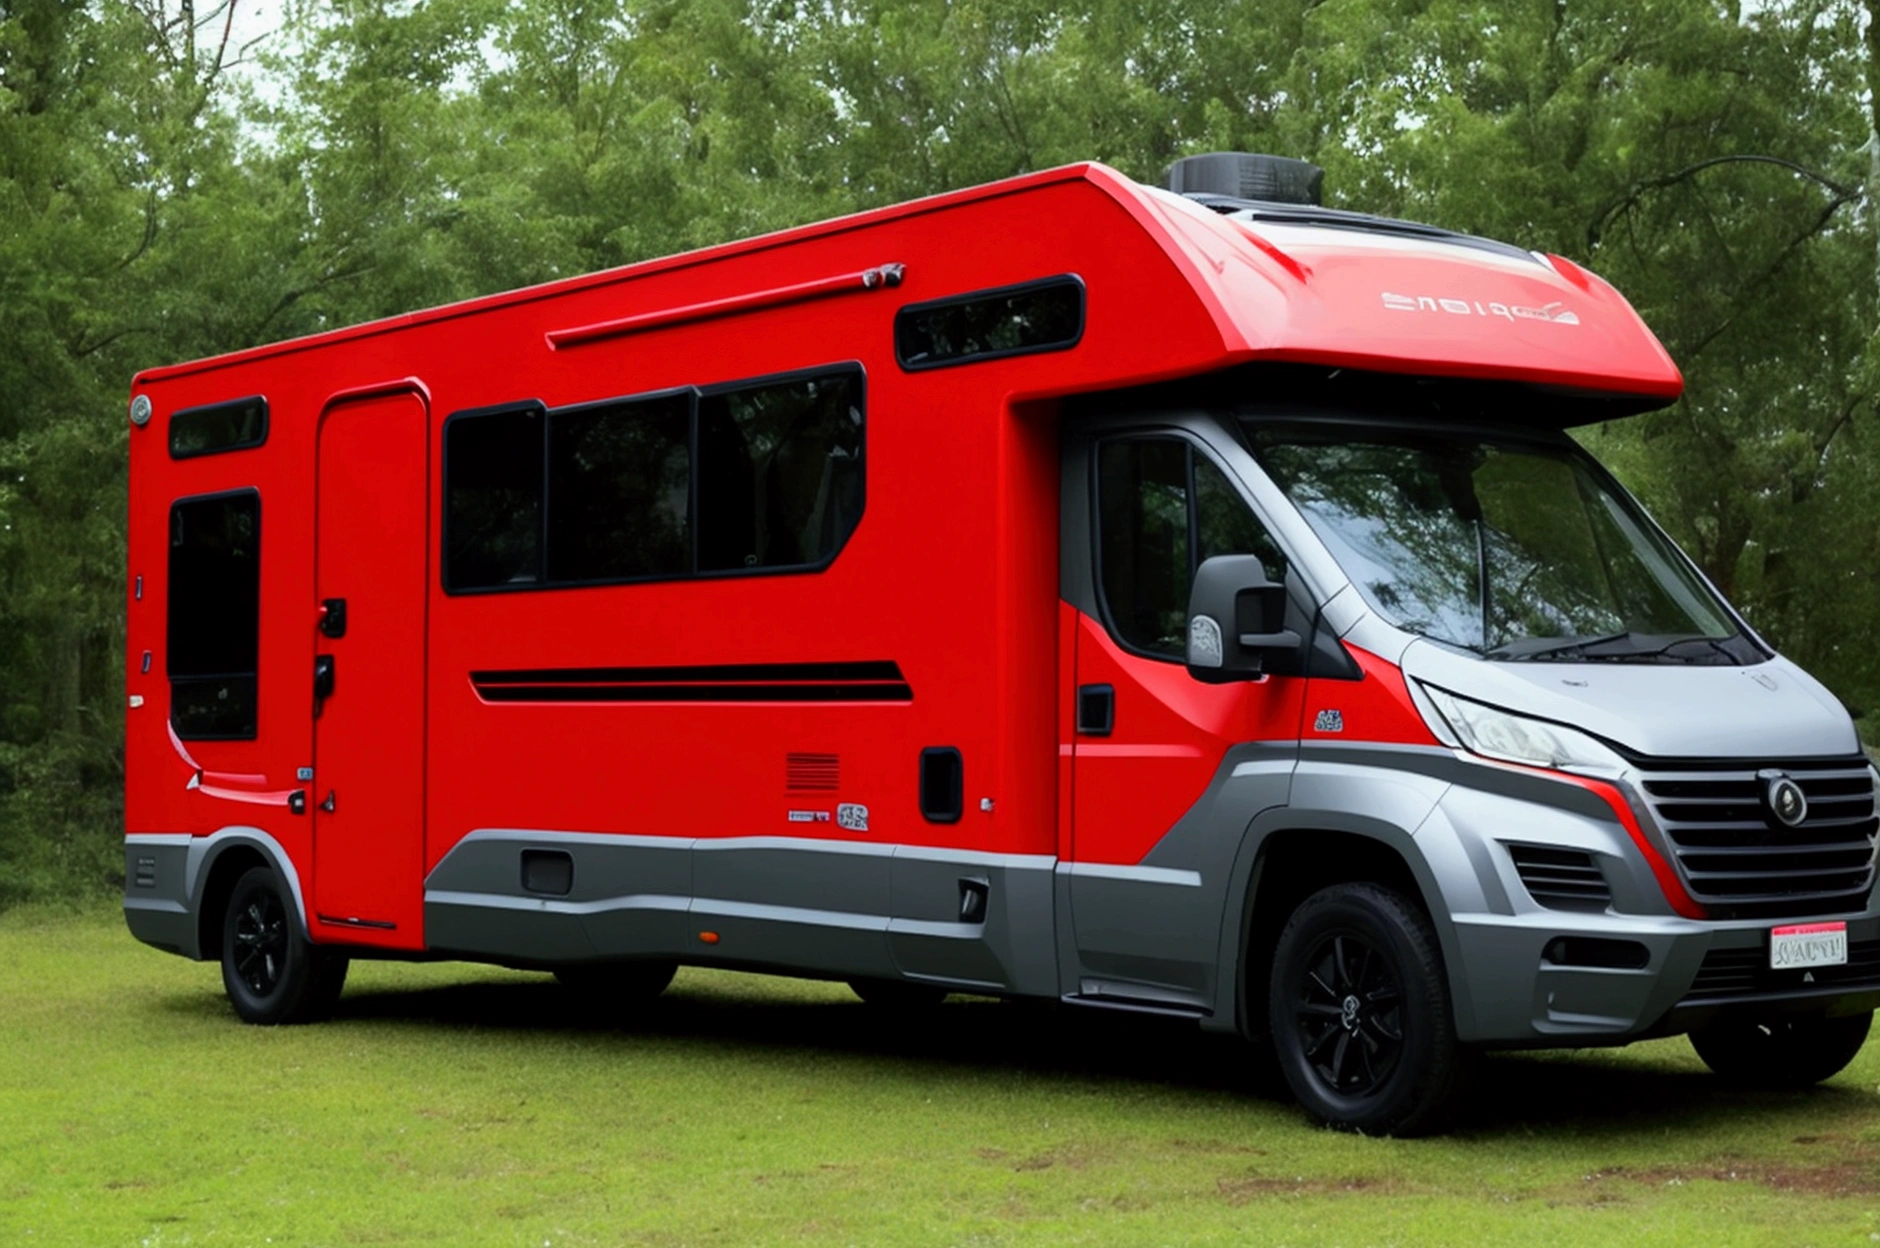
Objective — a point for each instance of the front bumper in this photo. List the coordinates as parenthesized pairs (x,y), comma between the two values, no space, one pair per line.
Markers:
(1694,972)
(1509,993)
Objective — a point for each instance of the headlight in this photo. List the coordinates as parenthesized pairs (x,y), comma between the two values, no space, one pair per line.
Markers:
(1512,738)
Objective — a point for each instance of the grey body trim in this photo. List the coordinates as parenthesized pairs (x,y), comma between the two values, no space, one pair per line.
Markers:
(167,913)
(842,909)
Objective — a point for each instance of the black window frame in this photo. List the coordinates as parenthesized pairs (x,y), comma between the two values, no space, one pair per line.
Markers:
(170,678)
(201,409)
(1196,450)
(695,395)
(993,292)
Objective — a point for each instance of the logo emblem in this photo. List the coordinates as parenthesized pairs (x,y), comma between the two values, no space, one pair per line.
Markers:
(852,816)
(1329,721)
(1204,642)
(1785,799)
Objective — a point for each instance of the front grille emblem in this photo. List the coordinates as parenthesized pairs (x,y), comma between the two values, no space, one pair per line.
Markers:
(1784,799)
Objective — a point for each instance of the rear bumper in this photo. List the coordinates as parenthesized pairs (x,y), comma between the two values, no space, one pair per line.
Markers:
(158,893)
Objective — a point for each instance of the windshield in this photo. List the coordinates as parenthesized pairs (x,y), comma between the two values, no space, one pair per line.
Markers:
(1511,548)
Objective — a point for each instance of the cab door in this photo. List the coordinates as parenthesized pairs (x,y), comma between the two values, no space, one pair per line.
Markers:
(1155,828)
(368,613)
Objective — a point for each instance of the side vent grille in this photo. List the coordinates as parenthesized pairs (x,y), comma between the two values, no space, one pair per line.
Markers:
(812,773)
(1561,879)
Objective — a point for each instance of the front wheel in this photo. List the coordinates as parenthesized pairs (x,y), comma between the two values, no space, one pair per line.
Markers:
(272,972)
(1793,1052)
(1360,1015)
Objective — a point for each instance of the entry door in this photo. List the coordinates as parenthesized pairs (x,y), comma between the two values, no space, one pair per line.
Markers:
(367,792)
(1152,849)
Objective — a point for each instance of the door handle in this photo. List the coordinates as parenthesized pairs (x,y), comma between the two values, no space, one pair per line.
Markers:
(1096,710)
(333,617)
(322,680)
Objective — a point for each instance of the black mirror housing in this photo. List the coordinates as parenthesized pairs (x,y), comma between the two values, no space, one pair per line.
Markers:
(1236,622)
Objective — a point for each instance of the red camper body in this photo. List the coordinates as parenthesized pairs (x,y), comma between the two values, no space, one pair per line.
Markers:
(909,688)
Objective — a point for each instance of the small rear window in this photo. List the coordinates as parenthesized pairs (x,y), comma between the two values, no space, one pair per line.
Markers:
(215,615)
(229,426)
(1046,315)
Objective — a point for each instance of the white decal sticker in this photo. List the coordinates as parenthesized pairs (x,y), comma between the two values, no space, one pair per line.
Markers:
(1553,313)
(809,816)
(852,816)
(1329,721)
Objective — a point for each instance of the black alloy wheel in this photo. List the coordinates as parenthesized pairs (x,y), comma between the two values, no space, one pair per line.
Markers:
(259,941)
(1349,1014)
(1359,1011)
(273,974)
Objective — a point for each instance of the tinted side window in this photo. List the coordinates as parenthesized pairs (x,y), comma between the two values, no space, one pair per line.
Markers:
(1162,509)
(1142,494)
(493,502)
(214,626)
(1225,525)
(989,324)
(619,490)
(221,427)
(779,472)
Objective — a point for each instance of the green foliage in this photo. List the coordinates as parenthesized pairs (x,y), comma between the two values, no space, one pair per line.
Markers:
(1715,161)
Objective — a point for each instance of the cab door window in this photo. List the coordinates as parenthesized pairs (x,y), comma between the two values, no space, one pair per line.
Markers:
(1161,509)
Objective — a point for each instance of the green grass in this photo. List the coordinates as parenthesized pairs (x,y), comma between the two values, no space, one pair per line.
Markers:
(459,1105)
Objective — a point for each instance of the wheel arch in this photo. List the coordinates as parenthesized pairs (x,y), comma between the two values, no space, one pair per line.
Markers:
(220,860)
(1288,854)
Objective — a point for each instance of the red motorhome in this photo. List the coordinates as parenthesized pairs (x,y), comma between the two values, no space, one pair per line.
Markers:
(1183,601)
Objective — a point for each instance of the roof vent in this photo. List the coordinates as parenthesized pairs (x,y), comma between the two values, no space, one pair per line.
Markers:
(1245,175)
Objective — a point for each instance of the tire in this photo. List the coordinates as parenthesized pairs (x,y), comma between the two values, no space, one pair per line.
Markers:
(272,973)
(618,983)
(1360,1013)
(898,995)
(1792,1052)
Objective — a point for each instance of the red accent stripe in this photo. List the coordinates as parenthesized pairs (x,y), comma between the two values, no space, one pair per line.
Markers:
(1667,876)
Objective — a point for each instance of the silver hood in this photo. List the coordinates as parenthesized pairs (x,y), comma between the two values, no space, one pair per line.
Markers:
(1773,710)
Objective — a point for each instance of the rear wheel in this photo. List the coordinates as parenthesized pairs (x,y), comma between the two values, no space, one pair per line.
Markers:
(1360,1015)
(272,972)
(1782,1052)
(898,995)
(618,983)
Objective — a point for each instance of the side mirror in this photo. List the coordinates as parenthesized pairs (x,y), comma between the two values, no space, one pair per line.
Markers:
(1236,622)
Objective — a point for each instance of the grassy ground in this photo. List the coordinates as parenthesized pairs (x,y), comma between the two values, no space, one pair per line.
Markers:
(458,1105)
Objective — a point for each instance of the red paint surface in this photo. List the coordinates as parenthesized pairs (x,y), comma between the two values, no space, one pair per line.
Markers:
(1376,708)
(1171,732)
(372,550)
(951,574)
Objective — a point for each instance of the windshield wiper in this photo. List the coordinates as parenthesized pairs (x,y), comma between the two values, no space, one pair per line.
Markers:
(1526,649)
(1515,651)
(1652,652)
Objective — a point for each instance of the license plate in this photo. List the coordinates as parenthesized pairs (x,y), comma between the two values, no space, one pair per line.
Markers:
(1808,944)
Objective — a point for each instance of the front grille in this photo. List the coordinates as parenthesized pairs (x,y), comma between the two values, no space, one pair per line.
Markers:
(1561,879)
(1746,972)
(1740,862)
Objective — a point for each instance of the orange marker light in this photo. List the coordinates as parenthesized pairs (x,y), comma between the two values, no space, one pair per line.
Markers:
(710,938)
